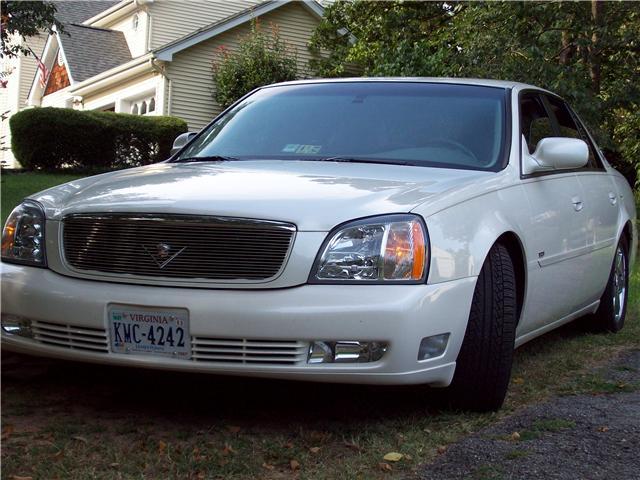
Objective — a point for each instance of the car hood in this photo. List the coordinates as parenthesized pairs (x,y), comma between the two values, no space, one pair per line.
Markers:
(315,196)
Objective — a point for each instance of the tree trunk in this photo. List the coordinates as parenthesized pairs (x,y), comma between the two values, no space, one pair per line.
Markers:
(597,12)
(567,49)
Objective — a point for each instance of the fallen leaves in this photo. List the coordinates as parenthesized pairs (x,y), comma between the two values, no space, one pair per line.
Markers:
(295,465)
(234,429)
(353,446)
(7,431)
(228,450)
(314,449)
(393,457)
(21,477)
(385,467)
(268,466)
(515,436)
(441,450)
(318,436)
(603,429)
(518,380)
(162,446)
(80,439)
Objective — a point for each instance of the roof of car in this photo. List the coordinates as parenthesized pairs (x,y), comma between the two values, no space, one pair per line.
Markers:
(456,81)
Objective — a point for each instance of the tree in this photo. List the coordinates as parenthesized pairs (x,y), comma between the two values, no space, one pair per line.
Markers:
(22,19)
(260,60)
(383,38)
(588,52)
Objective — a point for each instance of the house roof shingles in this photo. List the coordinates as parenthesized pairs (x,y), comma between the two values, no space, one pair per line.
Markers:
(90,51)
(78,12)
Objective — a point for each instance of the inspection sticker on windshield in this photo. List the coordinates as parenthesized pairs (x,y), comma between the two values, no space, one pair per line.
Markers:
(149,331)
(304,149)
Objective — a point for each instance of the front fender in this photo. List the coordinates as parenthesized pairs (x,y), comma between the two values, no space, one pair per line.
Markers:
(462,235)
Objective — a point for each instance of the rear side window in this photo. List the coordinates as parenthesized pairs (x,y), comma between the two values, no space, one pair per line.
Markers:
(535,123)
(569,127)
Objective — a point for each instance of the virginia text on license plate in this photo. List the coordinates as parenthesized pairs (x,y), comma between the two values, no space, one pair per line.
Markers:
(150,331)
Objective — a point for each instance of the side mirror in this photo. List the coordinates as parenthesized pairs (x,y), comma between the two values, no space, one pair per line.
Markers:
(181,140)
(556,153)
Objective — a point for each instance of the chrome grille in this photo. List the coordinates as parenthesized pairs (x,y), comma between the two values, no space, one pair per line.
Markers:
(67,336)
(177,246)
(281,352)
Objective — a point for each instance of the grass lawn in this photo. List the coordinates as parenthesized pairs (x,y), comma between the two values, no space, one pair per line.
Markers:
(15,186)
(76,421)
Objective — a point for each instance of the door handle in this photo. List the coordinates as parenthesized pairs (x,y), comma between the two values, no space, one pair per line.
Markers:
(613,198)
(577,203)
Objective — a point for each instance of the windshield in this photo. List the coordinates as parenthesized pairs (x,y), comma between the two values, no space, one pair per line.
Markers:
(423,124)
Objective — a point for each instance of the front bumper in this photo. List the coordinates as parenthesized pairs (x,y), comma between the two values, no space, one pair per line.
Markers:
(400,315)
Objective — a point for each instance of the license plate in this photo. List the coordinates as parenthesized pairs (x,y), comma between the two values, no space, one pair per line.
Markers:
(149,331)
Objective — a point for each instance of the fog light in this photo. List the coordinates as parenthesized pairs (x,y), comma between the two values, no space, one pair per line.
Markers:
(320,352)
(16,325)
(432,347)
(346,351)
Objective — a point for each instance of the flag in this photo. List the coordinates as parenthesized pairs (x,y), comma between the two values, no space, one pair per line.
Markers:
(44,72)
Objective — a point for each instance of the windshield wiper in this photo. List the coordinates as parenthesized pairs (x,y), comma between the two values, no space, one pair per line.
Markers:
(362,160)
(210,158)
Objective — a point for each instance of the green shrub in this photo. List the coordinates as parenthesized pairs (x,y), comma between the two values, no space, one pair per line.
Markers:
(260,60)
(60,138)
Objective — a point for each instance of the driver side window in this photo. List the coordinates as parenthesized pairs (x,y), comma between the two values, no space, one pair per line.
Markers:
(535,123)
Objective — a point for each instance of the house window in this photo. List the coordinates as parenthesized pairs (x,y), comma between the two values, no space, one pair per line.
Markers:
(134,109)
(143,108)
(152,105)
(135,22)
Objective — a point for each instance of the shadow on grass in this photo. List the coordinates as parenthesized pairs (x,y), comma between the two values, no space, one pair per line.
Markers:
(101,391)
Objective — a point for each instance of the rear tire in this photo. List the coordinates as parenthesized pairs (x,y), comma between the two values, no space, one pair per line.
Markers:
(484,363)
(613,304)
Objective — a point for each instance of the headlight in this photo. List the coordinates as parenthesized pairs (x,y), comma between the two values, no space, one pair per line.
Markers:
(23,235)
(391,248)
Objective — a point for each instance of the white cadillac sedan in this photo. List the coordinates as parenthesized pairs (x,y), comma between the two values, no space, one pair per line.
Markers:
(382,231)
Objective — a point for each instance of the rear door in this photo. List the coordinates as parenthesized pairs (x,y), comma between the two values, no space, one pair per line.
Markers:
(600,202)
(556,237)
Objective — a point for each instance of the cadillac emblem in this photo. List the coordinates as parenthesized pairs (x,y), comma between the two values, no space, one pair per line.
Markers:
(162,253)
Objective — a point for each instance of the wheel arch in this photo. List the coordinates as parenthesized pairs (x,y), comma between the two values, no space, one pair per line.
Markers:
(516,251)
(627,232)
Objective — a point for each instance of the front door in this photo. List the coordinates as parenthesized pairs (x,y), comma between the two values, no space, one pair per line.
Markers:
(600,203)
(556,235)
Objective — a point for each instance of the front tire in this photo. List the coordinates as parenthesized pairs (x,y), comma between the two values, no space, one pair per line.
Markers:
(484,363)
(613,304)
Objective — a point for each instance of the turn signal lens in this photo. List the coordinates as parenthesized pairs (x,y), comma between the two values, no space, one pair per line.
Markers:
(405,251)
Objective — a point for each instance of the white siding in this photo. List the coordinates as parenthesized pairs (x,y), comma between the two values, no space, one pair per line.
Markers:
(14,97)
(136,38)
(190,71)
(28,67)
(173,19)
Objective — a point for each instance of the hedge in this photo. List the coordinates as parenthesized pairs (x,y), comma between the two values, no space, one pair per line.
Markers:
(63,139)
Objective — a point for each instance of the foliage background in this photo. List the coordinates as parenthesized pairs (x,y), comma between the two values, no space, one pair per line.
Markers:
(20,19)
(51,139)
(587,52)
(261,59)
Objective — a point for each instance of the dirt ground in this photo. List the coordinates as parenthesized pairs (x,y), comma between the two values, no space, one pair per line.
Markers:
(589,436)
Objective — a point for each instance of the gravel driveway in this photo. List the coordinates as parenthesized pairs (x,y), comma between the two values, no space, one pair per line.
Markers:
(586,436)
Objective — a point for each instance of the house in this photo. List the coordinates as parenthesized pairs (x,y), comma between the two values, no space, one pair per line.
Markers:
(147,57)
